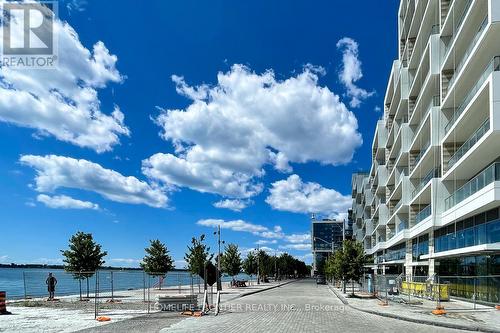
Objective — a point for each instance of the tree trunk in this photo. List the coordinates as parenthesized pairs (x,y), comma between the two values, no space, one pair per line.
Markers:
(352,287)
(87,287)
(80,282)
(159,282)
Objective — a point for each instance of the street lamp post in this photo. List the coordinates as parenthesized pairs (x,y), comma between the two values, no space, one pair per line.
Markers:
(258,265)
(217,233)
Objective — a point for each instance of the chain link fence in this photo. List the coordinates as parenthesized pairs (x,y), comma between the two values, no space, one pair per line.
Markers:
(408,289)
(106,291)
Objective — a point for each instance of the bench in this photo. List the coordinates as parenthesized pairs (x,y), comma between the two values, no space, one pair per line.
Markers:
(239,283)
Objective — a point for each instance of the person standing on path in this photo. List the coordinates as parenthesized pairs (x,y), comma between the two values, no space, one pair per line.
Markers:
(51,286)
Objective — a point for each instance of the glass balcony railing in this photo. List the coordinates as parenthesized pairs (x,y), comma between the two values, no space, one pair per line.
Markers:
(434,173)
(423,214)
(459,25)
(391,234)
(493,66)
(484,178)
(422,152)
(399,204)
(404,172)
(472,44)
(402,226)
(478,134)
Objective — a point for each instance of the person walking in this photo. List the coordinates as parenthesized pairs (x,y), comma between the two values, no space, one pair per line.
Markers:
(51,286)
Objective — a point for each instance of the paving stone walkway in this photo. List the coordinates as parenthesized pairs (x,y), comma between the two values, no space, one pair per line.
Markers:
(301,306)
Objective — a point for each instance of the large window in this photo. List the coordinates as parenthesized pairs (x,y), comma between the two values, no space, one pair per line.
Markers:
(420,246)
(397,252)
(483,228)
(472,275)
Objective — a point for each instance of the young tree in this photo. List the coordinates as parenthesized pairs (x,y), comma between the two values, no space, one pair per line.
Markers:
(250,264)
(347,263)
(231,260)
(83,257)
(264,265)
(355,254)
(157,261)
(197,256)
(286,264)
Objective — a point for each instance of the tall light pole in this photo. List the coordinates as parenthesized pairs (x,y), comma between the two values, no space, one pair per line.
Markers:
(217,233)
(258,264)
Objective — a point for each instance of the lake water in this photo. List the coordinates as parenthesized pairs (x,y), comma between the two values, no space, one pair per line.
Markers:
(18,282)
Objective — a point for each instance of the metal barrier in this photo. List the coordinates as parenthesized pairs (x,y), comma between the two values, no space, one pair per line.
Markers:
(412,290)
(105,291)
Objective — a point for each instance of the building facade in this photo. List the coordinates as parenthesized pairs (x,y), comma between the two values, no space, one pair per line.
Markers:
(429,206)
(326,237)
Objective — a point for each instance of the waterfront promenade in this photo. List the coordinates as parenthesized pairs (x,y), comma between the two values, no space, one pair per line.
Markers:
(300,306)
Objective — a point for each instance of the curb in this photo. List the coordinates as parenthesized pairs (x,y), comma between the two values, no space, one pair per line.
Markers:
(418,321)
(259,291)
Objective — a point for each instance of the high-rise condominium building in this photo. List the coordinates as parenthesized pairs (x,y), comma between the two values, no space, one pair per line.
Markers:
(326,237)
(430,203)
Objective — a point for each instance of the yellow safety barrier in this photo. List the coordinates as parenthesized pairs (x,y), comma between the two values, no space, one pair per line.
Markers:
(421,289)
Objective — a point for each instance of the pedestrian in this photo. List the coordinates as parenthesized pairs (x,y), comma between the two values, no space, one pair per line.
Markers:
(51,286)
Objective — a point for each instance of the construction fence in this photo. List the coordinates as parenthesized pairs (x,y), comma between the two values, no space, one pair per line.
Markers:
(108,291)
(408,289)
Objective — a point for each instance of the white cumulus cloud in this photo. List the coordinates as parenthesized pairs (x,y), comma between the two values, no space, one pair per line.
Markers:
(63,101)
(236,205)
(65,202)
(55,172)
(230,131)
(351,71)
(266,241)
(298,238)
(293,195)
(235,225)
(299,246)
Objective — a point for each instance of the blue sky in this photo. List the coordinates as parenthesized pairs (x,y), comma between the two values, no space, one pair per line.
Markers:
(167,118)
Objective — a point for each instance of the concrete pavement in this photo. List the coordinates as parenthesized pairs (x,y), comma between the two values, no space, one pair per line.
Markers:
(301,306)
(155,321)
(459,314)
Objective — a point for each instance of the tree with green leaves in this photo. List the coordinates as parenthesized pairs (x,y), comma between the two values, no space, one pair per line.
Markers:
(347,263)
(265,265)
(157,261)
(197,256)
(249,264)
(83,257)
(231,260)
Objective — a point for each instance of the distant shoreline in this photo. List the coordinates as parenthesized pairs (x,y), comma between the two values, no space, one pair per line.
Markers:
(62,267)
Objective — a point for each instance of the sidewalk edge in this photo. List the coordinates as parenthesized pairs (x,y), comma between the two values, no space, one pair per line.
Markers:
(418,321)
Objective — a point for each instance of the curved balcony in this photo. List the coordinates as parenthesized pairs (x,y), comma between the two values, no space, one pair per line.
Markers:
(493,66)
(434,173)
(423,214)
(470,48)
(486,177)
(467,145)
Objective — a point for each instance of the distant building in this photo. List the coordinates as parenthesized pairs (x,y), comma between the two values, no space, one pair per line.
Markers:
(326,237)
(348,233)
